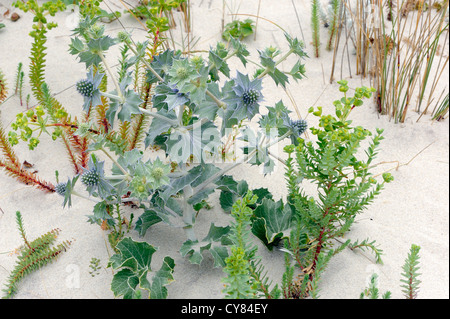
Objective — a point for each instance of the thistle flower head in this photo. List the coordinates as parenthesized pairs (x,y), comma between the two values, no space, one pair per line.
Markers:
(245,96)
(60,188)
(181,72)
(90,177)
(158,173)
(93,178)
(85,88)
(88,88)
(250,97)
(298,126)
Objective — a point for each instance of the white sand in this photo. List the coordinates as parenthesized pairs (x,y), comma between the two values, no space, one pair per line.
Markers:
(412,209)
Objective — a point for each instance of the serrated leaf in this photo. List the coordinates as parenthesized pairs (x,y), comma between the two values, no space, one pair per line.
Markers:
(207,108)
(146,220)
(199,142)
(135,255)
(227,199)
(214,241)
(158,126)
(162,278)
(125,283)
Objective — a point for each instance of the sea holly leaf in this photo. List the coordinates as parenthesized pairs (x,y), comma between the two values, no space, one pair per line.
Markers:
(201,191)
(101,213)
(158,127)
(76,46)
(175,100)
(201,195)
(199,142)
(146,220)
(130,106)
(127,160)
(266,58)
(279,77)
(125,283)
(133,255)
(161,279)
(217,63)
(100,44)
(272,221)
(296,46)
(134,259)
(240,49)
(169,212)
(169,96)
(161,64)
(207,108)
(214,241)
(89,58)
(196,87)
(298,71)
(177,184)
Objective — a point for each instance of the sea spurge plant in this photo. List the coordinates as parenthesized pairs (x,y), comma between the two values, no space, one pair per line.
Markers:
(345,185)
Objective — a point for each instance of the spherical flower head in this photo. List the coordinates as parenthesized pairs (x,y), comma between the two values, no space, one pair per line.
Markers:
(298,126)
(138,187)
(90,177)
(85,88)
(60,188)
(123,36)
(89,89)
(250,97)
(158,172)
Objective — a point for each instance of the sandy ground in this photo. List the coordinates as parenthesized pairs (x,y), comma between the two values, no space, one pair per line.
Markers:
(412,209)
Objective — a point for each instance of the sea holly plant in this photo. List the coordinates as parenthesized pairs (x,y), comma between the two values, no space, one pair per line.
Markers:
(198,106)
